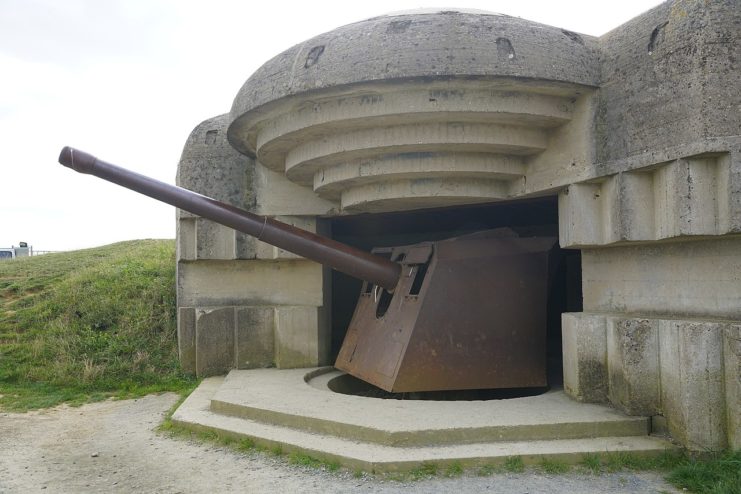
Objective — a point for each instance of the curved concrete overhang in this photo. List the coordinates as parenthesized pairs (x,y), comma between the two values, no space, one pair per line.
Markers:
(420,109)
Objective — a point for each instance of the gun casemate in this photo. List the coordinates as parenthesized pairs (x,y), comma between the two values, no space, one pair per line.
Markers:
(463,313)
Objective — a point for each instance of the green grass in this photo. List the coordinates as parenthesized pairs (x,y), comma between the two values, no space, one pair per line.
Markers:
(514,464)
(720,473)
(619,461)
(554,467)
(311,462)
(87,325)
(591,462)
(713,473)
(425,470)
(245,445)
(487,470)
(453,470)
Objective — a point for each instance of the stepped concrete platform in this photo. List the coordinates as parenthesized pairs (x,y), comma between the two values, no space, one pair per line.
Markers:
(297,410)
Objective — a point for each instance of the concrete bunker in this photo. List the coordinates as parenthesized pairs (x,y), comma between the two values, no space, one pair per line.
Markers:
(634,132)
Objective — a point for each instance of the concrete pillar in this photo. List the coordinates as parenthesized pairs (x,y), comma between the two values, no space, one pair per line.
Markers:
(254,337)
(633,365)
(301,338)
(692,395)
(584,341)
(187,338)
(580,215)
(686,372)
(732,367)
(214,341)
(214,241)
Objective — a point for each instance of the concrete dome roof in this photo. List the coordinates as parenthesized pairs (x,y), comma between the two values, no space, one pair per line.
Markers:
(418,109)
(424,44)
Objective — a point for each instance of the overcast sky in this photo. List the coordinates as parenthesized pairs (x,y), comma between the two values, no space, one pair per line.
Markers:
(127,80)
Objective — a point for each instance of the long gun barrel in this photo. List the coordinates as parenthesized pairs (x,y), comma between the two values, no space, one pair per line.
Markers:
(349,260)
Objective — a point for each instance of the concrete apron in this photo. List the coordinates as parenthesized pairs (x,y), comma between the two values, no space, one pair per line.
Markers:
(296,411)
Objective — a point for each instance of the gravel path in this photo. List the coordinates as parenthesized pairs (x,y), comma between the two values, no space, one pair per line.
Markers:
(112,447)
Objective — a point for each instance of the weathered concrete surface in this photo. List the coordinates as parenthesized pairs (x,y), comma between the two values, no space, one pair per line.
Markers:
(277,196)
(266,301)
(231,174)
(633,365)
(693,279)
(426,143)
(214,340)
(296,117)
(366,131)
(445,44)
(685,370)
(262,282)
(279,408)
(692,395)
(732,367)
(302,398)
(224,321)
(669,77)
(255,337)
(580,215)
(302,337)
(186,320)
(230,178)
(691,196)
(584,340)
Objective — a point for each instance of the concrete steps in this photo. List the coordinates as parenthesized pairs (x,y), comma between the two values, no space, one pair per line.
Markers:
(295,410)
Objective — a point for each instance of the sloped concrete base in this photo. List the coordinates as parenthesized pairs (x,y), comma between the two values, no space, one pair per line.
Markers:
(295,409)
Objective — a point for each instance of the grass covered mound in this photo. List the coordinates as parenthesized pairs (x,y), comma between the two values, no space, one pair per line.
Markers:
(83,325)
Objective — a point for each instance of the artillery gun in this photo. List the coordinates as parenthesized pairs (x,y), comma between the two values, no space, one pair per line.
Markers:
(463,313)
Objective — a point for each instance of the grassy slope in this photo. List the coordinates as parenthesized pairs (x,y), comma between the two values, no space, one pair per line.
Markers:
(83,325)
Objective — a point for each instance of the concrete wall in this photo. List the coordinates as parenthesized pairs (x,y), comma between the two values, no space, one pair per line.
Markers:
(669,78)
(658,226)
(700,278)
(685,197)
(659,335)
(243,303)
(685,369)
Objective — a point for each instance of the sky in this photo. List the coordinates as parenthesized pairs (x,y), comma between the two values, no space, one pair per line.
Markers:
(127,80)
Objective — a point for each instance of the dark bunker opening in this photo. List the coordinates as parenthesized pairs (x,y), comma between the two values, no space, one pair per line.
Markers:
(527,217)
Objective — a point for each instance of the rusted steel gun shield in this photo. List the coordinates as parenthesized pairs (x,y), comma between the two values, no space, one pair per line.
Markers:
(468,313)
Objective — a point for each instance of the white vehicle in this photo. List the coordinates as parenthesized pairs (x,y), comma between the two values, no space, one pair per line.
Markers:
(23,250)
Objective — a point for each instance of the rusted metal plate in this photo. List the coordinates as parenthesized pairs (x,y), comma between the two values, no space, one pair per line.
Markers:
(470,316)
(418,254)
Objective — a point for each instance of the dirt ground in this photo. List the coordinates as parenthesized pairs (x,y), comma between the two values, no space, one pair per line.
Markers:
(112,447)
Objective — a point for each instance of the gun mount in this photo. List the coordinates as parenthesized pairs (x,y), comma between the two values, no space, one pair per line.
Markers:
(463,313)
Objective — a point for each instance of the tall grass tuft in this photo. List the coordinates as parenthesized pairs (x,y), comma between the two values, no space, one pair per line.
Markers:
(720,473)
(88,324)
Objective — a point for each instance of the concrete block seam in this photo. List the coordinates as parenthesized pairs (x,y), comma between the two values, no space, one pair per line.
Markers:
(692,196)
